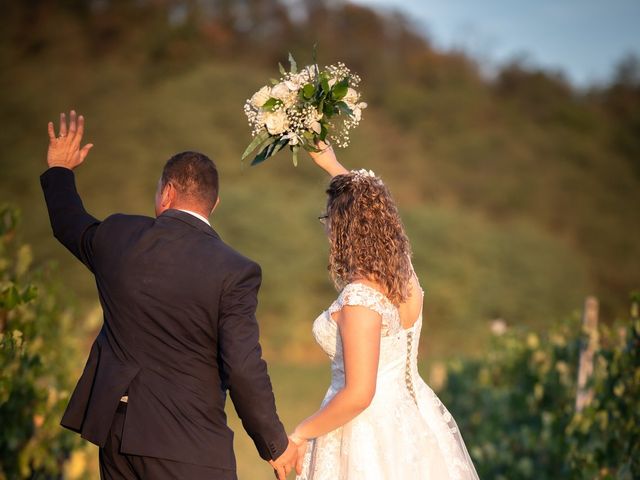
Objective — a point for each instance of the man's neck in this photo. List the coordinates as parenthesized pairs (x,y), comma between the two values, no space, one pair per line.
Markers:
(195,214)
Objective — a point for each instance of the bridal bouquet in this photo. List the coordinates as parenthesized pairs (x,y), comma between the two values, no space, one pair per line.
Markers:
(302,107)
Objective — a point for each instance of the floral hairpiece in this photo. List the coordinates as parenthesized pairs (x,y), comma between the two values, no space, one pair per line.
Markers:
(362,173)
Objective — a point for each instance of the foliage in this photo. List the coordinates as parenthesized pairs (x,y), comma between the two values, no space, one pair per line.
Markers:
(517,406)
(36,360)
(522,147)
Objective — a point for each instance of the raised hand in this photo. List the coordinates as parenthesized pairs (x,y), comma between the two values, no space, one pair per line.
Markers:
(326,159)
(283,465)
(64,150)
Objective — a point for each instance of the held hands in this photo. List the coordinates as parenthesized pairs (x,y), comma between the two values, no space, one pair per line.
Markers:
(292,457)
(283,465)
(64,150)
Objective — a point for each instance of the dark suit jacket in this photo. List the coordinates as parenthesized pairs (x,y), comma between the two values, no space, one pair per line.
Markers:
(179,331)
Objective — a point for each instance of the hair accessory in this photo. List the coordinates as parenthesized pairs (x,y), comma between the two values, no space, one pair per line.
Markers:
(362,174)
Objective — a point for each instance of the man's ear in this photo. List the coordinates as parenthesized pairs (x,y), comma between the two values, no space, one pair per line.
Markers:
(216,205)
(168,196)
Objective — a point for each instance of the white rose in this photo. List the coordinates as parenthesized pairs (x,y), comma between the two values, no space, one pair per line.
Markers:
(357,114)
(260,97)
(280,91)
(351,98)
(276,122)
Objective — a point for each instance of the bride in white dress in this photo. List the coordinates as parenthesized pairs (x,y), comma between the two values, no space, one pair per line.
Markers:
(379,419)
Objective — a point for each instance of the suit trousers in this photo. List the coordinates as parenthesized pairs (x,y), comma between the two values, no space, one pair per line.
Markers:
(115,465)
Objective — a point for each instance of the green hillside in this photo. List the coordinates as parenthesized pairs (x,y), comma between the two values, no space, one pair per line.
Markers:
(519,193)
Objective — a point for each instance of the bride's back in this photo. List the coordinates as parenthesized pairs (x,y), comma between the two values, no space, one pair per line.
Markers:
(411,308)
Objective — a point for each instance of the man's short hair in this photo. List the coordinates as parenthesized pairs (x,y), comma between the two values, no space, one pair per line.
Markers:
(194,176)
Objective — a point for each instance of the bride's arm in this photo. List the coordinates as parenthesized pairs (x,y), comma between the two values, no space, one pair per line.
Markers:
(360,330)
(326,159)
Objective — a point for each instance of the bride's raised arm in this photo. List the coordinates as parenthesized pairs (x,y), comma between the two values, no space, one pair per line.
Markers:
(326,159)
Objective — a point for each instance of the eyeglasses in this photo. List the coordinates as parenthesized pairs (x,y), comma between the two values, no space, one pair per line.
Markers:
(323,219)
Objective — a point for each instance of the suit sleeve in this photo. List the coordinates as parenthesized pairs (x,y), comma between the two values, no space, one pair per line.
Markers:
(244,372)
(70,222)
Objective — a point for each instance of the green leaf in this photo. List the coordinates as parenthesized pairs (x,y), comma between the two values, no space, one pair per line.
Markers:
(282,70)
(344,108)
(328,109)
(270,104)
(274,81)
(294,65)
(257,140)
(29,293)
(279,145)
(266,150)
(324,83)
(323,131)
(294,151)
(308,91)
(340,89)
(10,298)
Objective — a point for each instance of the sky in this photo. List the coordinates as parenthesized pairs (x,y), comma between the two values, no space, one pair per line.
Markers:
(582,38)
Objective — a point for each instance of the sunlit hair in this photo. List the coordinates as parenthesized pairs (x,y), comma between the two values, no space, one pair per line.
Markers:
(367,239)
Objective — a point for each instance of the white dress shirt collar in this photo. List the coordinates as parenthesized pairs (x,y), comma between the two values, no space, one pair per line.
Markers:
(197,215)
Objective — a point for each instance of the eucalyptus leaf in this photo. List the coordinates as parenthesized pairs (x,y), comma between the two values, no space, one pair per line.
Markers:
(294,65)
(282,70)
(257,140)
(344,108)
(262,156)
(279,145)
(294,151)
(274,81)
(269,149)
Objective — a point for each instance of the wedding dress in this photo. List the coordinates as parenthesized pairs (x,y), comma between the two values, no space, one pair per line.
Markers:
(406,433)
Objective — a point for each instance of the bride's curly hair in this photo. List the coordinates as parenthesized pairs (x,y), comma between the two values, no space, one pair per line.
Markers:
(366,236)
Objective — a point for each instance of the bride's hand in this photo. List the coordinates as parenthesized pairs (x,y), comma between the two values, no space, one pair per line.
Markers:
(302,445)
(326,159)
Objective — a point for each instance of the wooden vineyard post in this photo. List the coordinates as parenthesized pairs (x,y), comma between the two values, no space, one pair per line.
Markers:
(587,349)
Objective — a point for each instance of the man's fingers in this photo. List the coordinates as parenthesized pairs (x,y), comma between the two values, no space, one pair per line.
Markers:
(280,472)
(85,151)
(80,130)
(72,122)
(52,133)
(63,125)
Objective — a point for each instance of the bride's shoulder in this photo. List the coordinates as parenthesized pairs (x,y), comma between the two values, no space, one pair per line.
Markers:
(364,293)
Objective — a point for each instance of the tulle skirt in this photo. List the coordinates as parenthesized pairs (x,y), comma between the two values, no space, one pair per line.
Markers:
(400,436)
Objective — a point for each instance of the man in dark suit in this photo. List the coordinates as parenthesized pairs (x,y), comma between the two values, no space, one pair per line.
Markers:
(179,328)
